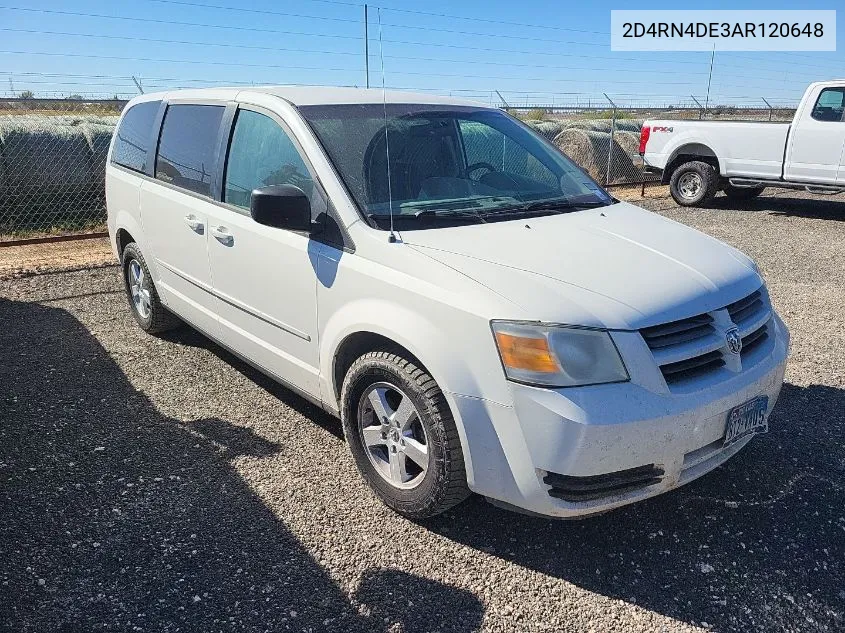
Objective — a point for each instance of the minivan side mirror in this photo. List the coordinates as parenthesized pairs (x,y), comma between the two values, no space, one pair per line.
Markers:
(281,206)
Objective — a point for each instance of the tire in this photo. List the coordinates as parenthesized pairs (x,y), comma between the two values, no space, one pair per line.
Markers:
(693,183)
(145,303)
(397,384)
(742,193)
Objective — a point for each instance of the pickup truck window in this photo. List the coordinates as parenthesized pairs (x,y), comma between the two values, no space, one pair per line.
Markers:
(442,165)
(829,105)
(261,154)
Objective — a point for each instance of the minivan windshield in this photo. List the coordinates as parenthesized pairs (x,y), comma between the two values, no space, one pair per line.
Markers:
(445,165)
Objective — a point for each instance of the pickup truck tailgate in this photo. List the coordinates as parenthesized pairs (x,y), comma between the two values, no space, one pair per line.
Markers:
(743,148)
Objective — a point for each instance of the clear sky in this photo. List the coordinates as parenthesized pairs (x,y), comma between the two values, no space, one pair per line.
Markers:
(531,51)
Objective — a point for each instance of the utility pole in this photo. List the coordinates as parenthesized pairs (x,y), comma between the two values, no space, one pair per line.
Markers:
(366,46)
(138,84)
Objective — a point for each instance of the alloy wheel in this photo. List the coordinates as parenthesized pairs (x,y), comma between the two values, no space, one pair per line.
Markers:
(393,435)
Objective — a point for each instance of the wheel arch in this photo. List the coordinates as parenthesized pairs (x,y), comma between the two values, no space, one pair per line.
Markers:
(353,331)
(687,152)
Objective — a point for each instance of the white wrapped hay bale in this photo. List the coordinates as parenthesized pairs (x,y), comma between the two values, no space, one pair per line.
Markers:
(592,151)
(98,136)
(549,129)
(44,154)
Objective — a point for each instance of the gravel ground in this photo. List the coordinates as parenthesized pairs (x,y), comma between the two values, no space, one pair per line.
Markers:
(161,485)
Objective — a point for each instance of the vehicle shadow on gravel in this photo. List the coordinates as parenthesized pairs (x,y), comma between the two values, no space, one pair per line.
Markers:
(186,335)
(812,208)
(115,516)
(758,544)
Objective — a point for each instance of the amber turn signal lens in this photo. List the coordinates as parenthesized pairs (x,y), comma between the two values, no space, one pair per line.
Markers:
(532,354)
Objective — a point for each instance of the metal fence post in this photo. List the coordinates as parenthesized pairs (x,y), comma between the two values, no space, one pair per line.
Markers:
(610,148)
(771,109)
(700,107)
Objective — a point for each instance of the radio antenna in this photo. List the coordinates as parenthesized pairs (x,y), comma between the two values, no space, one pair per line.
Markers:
(392,237)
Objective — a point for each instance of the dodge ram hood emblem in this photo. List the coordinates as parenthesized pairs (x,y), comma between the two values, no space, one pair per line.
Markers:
(734,341)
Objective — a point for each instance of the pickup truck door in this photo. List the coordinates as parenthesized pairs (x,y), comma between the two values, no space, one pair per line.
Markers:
(816,141)
(265,277)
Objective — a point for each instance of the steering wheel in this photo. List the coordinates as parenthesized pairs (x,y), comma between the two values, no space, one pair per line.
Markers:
(479,165)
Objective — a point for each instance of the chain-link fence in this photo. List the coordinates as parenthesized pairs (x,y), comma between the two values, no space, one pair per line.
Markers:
(605,141)
(53,153)
(52,165)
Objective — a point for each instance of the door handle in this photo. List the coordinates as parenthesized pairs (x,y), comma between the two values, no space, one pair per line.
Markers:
(194,223)
(221,233)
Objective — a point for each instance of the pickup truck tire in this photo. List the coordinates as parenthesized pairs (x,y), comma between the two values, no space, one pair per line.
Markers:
(742,193)
(402,435)
(693,183)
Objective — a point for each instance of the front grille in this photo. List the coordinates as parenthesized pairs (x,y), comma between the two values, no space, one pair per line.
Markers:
(570,488)
(754,340)
(746,308)
(693,347)
(677,332)
(692,367)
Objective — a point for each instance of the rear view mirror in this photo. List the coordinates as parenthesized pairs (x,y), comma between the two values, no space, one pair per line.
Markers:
(281,206)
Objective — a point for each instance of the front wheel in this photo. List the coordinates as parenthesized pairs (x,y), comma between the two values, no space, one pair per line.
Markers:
(402,435)
(742,193)
(693,183)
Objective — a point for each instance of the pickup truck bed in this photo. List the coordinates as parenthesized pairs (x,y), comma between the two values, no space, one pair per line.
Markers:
(741,158)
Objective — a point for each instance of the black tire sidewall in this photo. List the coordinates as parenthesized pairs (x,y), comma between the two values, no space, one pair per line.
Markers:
(133,253)
(421,500)
(708,181)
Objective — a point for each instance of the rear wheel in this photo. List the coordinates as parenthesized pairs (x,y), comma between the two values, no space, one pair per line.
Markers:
(402,435)
(742,193)
(693,183)
(144,301)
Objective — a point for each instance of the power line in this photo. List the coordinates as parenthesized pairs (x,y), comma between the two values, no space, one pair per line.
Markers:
(325,52)
(290,67)
(175,23)
(255,11)
(396,10)
(190,42)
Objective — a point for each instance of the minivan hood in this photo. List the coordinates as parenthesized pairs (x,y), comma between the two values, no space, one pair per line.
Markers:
(618,267)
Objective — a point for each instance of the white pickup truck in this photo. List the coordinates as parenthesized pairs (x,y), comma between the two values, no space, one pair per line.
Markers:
(698,158)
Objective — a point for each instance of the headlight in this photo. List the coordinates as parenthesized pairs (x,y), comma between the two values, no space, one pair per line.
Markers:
(557,356)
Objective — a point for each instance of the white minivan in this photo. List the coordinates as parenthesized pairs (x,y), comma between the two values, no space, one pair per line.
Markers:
(481,315)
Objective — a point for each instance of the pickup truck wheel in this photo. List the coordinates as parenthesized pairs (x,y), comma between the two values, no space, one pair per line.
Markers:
(402,435)
(144,301)
(693,183)
(742,193)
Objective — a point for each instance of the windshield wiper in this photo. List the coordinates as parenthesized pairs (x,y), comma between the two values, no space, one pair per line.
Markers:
(558,204)
(430,215)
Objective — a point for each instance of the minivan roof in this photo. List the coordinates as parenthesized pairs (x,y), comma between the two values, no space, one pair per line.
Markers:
(313,95)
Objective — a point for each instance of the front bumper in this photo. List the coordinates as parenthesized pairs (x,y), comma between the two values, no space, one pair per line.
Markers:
(595,431)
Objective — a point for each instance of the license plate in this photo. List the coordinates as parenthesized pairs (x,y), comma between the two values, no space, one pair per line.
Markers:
(747,419)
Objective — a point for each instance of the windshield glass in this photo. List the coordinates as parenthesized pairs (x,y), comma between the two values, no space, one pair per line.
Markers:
(447,164)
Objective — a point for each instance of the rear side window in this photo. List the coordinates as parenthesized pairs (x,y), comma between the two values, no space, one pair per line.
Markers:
(187,148)
(829,105)
(131,144)
(261,154)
